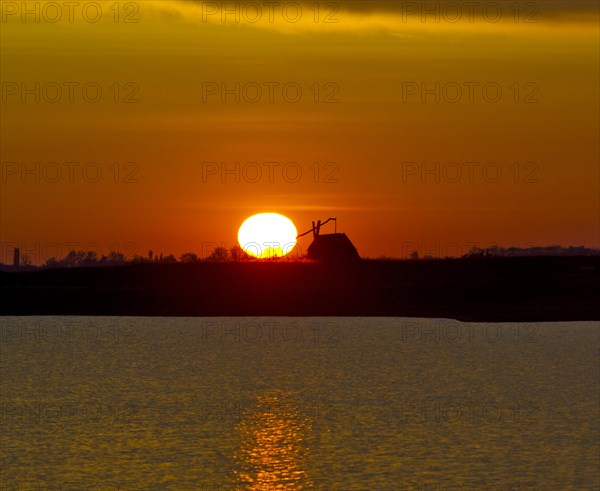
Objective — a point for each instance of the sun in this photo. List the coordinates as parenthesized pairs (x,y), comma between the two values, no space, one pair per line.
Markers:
(267,235)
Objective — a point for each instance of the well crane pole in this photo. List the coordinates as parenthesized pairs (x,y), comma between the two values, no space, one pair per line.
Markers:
(316,228)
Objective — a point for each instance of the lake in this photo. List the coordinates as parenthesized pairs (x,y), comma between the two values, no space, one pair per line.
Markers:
(137,403)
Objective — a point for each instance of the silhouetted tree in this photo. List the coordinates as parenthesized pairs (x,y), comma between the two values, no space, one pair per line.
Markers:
(90,259)
(51,263)
(188,257)
(237,254)
(115,257)
(219,255)
(72,259)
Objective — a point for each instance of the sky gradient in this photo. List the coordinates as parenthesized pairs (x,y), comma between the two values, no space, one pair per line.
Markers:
(400,130)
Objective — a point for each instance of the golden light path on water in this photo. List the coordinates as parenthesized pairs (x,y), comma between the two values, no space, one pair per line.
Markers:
(273,451)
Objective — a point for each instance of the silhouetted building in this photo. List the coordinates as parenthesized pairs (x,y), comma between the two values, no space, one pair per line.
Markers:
(16,257)
(330,247)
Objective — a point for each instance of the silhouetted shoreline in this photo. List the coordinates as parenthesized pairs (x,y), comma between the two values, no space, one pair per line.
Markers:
(517,289)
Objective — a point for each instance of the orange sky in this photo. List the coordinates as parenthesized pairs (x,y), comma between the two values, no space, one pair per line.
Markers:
(371,140)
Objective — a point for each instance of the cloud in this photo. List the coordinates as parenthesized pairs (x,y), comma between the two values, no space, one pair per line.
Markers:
(395,18)
(545,7)
(557,6)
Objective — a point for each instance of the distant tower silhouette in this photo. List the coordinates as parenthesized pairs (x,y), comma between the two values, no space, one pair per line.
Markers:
(150,254)
(16,257)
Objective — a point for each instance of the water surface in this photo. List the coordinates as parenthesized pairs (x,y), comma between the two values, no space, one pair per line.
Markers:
(297,403)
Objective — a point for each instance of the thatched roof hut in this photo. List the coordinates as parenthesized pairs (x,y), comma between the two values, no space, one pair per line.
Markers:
(332,247)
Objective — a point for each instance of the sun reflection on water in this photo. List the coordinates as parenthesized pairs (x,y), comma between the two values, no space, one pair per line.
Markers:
(272,453)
